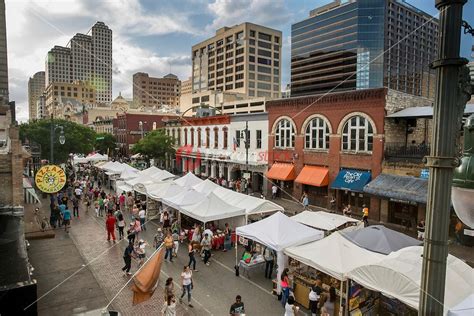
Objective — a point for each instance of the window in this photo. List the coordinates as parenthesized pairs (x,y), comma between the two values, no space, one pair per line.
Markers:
(196,100)
(192,137)
(205,98)
(357,134)
(208,137)
(239,76)
(239,85)
(216,137)
(225,132)
(179,137)
(199,137)
(185,136)
(265,53)
(284,134)
(317,134)
(264,36)
(252,33)
(259,139)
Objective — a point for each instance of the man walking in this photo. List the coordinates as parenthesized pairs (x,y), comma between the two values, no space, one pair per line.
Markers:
(365,217)
(110,226)
(274,191)
(127,258)
(75,206)
(66,219)
(237,308)
(269,257)
(169,246)
(206,248)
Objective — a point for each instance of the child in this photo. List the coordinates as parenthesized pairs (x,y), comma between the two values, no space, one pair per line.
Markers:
(96,208)
(176,243)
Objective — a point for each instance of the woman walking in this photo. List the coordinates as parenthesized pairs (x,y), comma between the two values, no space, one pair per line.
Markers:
(169,288)
(285,286)
(192,258)
(120,225)
(169,309)
(187,282)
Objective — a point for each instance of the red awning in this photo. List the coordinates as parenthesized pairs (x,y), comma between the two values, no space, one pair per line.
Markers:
(282,171)
(313,175)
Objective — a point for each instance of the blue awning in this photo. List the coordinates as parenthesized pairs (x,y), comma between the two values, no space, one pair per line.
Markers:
(351,180)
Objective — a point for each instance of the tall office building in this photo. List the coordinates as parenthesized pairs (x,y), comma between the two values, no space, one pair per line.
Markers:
(3,56)
(35,90)
(150,91)
(348,45)
(244,59)
(87,57)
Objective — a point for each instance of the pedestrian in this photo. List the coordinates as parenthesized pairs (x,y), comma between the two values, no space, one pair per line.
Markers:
(421,229)
(66,219)
(328,302)
(135,211)
(142,216)
(274,191)
(169,309)
(137,227)
(110,226)
(78,193)
(169,288)
(305,201)
(169,246)
(458,231)
(122,201)
(206,248)
(285,286)
(314,296)
(127,257)
(290,308)
(158,238)
(101,203)
(131,233)
(237,308)
(333,203)
(120,225)
(269,256)
(365,217)
(187,282)
(129,202)
(175,236)
(192,257)
(166,220)
(87,203)
(347,211)
(141,251)
(55,216)
(227,237)
(75,206)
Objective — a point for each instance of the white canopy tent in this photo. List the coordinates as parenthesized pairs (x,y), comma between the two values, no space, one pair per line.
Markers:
(97,157)
(128,173)
(165,190)
(187,197)
(211,208)
(279,232)
(107,165)
(77,160)
(188,180)
(162,175)
(333,255)
(251,204)
(206,186)
(323,220)
(140,179)
(465,308)
(398,276)
(122,186)
(149,171)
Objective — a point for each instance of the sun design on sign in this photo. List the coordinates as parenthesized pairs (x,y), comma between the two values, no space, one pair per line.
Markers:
(50,179)
(351,177)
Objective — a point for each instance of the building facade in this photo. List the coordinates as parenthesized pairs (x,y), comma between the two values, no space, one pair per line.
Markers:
(245,58)
(41,112)
(154,92)
(129,128)
(87,57)
(36,88)
(4,94)
(57,92)
(214,147)
(364,44)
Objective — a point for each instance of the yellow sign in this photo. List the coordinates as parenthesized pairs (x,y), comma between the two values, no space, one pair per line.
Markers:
(50,179)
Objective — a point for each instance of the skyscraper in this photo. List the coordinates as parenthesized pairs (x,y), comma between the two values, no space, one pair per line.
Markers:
(35,90)
(3,56)
(87,57)
(348,45)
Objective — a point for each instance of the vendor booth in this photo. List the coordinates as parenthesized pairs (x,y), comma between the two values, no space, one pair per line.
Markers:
(465,308)
(278,232)
(324,221)
(398,277)
(378,238)
(332,258)
(189,180)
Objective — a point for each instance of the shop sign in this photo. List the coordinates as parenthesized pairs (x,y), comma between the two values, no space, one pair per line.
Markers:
(246,175)
(50,179)
(403,202)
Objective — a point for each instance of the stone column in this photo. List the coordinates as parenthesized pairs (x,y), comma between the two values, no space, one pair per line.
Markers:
(197,166)
(213,169)
(229,171)
(221,170)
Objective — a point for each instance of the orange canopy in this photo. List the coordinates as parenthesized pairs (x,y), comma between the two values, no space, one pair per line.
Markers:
(282,171)
(315,176)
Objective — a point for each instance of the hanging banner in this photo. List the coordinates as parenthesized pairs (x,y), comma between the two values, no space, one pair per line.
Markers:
(50,179)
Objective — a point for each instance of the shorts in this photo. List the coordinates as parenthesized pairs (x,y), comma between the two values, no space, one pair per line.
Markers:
(67,222)
(421,235)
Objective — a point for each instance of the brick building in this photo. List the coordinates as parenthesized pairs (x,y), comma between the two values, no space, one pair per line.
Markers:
(154,92)
(129,128)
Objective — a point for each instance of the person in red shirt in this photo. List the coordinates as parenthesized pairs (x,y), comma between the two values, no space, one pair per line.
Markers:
(110,226)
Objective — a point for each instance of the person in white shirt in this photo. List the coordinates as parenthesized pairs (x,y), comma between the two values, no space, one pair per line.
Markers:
(78,193)
(274,191)
(142,216)
(187,282)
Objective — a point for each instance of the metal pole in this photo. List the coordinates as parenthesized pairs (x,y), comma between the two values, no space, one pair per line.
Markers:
(247,142)
(51,157)
(447,113)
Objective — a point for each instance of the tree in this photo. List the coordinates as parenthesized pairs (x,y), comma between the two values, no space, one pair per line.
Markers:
(79,139)
(105,143)
(155,145)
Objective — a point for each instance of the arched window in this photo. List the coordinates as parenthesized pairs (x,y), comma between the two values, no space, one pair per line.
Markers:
(317,134)
(216,137)
(357,134)
(179,137)
(226,133)
(284,134)
(192,137)
(208,137)
(173,134)
(185,136)
(199,137)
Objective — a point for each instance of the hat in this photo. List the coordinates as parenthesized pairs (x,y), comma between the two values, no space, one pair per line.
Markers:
(158,229)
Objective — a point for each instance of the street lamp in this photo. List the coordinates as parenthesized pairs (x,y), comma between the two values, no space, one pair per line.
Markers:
(463,178)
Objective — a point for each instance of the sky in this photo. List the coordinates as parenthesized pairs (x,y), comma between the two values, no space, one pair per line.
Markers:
(153,36)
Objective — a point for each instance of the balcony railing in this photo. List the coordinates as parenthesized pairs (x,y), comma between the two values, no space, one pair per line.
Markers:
(406,152)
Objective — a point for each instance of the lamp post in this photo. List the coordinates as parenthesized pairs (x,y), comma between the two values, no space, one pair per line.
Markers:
(447,113)
(140,125)
(62,138)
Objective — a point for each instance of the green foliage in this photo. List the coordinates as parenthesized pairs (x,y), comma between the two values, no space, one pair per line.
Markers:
(105,143)
(155,145)
(79,139)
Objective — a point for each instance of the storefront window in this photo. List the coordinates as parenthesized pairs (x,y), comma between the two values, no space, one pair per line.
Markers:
(284,134)
(317,134)
(357,134)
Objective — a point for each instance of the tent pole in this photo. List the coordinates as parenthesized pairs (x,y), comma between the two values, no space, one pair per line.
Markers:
(340,297)
(346,307)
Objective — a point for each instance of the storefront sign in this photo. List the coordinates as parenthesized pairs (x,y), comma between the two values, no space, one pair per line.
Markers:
(403,202)
(50,179)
